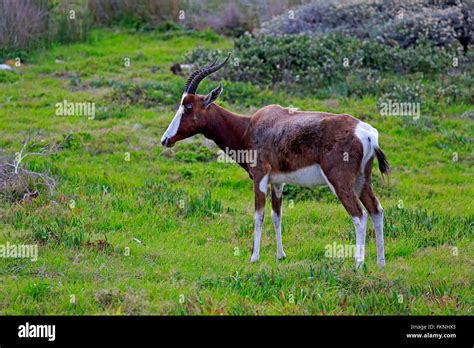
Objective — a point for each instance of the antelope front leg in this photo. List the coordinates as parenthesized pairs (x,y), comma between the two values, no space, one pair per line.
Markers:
(260,191)
(277,191)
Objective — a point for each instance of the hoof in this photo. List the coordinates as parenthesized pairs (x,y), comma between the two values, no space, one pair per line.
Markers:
(254,258)
(381,263)
(281,257)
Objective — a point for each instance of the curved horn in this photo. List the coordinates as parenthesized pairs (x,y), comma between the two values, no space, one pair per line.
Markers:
(202,74)
(193,74)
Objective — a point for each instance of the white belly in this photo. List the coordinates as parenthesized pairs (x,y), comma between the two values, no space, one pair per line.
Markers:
(307,177)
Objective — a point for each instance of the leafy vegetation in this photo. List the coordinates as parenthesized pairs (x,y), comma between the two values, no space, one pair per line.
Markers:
(27,26)
(336,64)
(134,228)
(397,23)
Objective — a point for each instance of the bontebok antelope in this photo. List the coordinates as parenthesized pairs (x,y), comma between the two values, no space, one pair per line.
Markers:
(294,147)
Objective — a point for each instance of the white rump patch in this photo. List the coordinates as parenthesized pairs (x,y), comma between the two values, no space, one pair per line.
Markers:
(369,137)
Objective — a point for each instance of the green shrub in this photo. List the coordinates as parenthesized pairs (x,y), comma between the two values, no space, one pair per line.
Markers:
(298,193)
(395,22)
(159,193)
(194,153)
(146,94)
(323,65)
(8,76)
(107,112)
(29,25)
(409,222)
(74,141)
(203,205)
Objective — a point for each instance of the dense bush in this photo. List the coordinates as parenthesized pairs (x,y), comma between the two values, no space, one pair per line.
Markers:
(235,17)
(398,22)
(333,64)
(8,76)
(137,14)
(224,17)
(26,25)
(146,94)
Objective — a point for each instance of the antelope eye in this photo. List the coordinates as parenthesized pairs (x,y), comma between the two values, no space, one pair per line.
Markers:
(188,107)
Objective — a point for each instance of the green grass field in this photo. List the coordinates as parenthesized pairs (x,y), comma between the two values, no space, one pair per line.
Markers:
(194,215)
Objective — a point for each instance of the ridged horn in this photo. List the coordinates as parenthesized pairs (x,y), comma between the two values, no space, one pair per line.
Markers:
(193,74)
(200,74)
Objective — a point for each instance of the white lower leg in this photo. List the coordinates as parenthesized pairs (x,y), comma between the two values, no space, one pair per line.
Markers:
(257,235)
(377,220)
(276,218)
(360,228)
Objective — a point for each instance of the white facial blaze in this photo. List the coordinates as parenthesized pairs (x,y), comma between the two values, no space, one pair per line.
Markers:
(174,125)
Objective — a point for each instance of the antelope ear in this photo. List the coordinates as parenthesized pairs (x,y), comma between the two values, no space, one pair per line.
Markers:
(213,95)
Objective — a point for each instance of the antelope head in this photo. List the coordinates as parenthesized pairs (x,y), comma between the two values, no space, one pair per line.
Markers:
(190,119)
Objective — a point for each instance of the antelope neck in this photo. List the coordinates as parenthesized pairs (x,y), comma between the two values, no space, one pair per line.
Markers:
(225,128)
